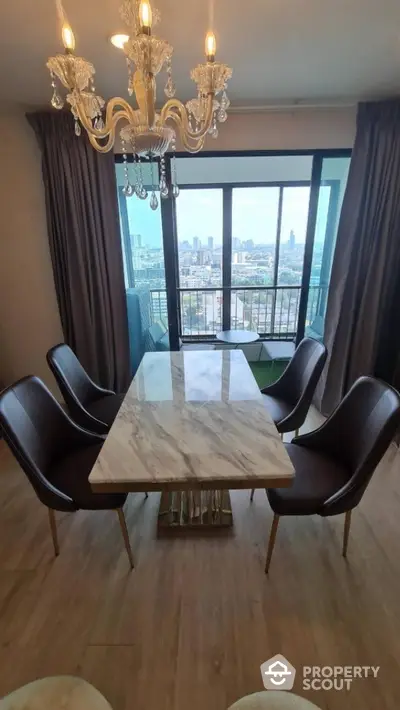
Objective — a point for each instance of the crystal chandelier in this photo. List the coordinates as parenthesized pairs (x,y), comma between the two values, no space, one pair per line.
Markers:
(144,131)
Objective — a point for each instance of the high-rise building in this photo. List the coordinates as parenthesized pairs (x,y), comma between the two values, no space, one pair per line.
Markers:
(210,243)
(239,257)
(186,258)
(196,243)
(248,244)
(236,243)
(292,240)
(159,307)
(136,241)
(137,260)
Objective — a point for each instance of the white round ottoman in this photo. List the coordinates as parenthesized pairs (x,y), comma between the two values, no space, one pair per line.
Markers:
(273,700)
(56,693)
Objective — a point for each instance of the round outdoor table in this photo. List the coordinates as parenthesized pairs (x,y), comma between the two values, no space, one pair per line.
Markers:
(237,337)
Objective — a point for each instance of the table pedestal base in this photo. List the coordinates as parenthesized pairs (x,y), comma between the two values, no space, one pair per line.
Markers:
(195,509)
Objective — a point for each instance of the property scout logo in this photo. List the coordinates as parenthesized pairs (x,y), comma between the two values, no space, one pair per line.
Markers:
(279,674)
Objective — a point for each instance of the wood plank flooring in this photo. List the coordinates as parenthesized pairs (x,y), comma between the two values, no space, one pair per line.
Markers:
(190,626)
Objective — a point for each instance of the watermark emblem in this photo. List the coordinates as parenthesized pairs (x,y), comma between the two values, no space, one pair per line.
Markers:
(278,673)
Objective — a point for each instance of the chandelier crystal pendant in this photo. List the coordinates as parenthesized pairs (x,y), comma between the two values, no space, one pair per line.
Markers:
(144,131)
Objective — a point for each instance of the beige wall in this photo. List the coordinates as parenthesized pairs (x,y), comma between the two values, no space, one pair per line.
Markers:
(29,319)
(297,129)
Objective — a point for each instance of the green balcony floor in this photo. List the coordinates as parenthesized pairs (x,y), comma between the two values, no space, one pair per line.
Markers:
(266,372)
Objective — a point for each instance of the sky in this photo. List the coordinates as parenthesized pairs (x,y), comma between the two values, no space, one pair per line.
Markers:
(254,215)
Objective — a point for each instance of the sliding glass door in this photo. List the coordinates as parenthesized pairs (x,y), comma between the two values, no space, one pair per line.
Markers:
(255,234)
(241,225)
(274,220)
(199,227)
(272,244)
(334,173)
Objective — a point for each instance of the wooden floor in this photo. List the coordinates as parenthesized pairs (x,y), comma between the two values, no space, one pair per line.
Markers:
(190,626)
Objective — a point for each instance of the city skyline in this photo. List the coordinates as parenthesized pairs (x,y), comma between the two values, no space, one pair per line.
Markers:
(264,309)
(253,262)
(254,216)
(254,233)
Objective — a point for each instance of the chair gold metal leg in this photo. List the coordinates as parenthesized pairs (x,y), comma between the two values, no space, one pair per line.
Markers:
(53,528)
(252,495)
(347,522)
(271,543)
(296,433)
(125,535)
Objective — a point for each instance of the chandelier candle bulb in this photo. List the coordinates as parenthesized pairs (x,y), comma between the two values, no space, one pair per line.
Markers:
(68,38)
(67,35)
(211,46)
(145,16)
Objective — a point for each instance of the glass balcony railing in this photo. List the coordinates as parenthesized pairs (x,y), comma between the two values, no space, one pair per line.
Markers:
(271,311)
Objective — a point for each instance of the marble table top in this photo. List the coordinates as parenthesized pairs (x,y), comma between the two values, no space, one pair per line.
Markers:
(192,420)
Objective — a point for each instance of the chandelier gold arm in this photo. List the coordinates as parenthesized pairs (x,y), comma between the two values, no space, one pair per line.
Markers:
(177,111)
(98,146)
(191,144)
(192,147)
(112,117)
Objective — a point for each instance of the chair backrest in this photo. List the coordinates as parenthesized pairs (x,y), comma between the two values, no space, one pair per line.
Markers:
(36,428)
(77,388)
(357,435)
(299,380)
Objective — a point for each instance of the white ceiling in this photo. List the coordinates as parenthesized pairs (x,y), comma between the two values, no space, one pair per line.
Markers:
(312,51)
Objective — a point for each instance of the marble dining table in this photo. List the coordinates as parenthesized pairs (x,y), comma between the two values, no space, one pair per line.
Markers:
(192,425)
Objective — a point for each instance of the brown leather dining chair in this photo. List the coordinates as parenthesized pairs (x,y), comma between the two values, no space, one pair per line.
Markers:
(91,406)
(334,464)
(56,454)
(289,398)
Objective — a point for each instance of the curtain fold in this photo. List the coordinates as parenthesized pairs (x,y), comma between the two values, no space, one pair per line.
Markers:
(85,247)
(361,325)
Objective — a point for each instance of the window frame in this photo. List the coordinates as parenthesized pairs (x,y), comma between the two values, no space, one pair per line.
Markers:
(170,237)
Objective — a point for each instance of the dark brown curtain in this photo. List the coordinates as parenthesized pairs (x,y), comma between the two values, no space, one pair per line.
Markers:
(362,331)
(85,246)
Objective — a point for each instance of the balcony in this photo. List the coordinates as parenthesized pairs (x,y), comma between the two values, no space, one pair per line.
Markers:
(271,311)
